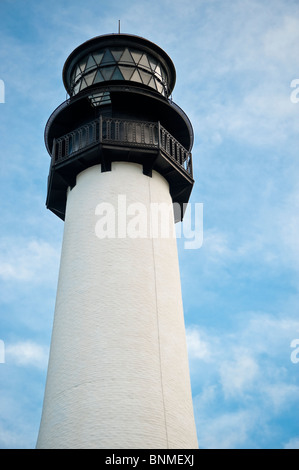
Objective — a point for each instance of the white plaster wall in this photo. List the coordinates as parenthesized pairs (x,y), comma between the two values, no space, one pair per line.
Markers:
(118,372)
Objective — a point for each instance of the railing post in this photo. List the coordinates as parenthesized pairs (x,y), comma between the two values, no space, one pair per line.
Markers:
(101,129)
(159,135)
(173,149)
(54,150)
(190,165)
(59,149)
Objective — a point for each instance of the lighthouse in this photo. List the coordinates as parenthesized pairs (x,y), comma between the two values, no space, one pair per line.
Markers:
(120,178)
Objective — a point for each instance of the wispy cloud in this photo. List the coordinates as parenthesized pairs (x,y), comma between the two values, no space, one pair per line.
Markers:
(292,443)
(26,353)
(27,260)
(246,370)
(235,62)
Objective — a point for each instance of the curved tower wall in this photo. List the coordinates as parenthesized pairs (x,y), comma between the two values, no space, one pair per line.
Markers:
(118,373)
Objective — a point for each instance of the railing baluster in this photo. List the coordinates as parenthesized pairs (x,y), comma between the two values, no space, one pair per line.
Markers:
(100,129)
(122,131)
(54,150)
(59,148)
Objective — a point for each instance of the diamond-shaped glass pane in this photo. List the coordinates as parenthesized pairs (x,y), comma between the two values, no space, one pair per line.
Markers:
(136,77)
(107,72)
(117,74)
(136,55)
(159,86)
(144,61)
(90,77)
(83,84)
(76,88)
(78,72)
(145,76)
(158,72)
(126,72)
(99,77)
(108,57)
(82,64)
(98,56)
(90,63)
(153,62)
(117,53)
(164,76)
(152,83)
(126,57)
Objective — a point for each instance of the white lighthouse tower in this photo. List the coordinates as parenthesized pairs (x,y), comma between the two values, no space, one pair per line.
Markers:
(118,375)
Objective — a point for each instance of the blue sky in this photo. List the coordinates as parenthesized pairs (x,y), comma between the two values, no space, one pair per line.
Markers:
(235,62)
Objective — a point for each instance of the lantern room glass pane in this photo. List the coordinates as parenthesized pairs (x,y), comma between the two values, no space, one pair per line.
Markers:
(99,77)
(136,56)
(98,56)
(158,72)
(107,72)
(152,83)
(153,63)
(136,77)
(117,75)
(159,86)
(117,53)
(108,57)
(127,72)
(82,64)
(90,63)
(90,77)
(144,61)
(145,76)
(76,88)
(83,84)
(126,57)
(133,65)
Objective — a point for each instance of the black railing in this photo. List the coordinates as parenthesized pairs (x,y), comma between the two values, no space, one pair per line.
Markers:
(121,132)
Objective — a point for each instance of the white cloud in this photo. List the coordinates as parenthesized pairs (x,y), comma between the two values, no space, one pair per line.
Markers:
(238,375)
(292,443)
(27,260)
(227,430)
(248,369)
(244,68)
(27,353)
(281,395)
(197,348)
